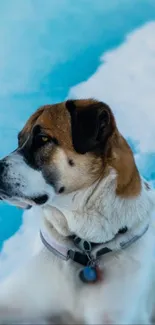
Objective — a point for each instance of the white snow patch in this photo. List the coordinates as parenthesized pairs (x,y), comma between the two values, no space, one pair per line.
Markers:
(126,81)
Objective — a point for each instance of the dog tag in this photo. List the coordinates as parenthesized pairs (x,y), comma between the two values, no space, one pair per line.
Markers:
(90,274)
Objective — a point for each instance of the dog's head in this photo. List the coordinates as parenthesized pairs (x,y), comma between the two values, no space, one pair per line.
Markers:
(63,148)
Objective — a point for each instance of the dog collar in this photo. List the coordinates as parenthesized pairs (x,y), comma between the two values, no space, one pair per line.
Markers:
(85,252)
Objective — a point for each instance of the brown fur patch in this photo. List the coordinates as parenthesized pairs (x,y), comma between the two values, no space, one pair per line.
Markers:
(56,122)
(122,160)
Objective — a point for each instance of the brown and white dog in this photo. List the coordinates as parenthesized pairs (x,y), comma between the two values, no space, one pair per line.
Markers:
(74,163)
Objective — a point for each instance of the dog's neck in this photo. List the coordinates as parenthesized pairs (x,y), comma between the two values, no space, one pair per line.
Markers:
(97,213)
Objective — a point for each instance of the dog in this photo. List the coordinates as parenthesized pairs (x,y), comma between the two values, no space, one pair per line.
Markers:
(95,259)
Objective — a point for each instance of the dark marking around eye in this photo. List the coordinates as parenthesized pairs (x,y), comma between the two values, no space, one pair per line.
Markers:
(55,141)
(71,162)
(36,129)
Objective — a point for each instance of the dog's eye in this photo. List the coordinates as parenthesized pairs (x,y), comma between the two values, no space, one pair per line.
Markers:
(41,139)
(44,138)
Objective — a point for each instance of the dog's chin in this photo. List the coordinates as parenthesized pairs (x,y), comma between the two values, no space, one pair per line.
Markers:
(24,202)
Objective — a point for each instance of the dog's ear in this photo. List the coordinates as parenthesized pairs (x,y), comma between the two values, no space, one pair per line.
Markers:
(91,124)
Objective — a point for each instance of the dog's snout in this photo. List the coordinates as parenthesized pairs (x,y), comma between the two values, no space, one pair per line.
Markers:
(20,182)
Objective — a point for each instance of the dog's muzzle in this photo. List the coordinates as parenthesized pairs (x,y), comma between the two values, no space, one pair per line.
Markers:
(20,185)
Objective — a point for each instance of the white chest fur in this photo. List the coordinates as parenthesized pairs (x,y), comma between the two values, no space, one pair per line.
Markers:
(96,214)
(48,284)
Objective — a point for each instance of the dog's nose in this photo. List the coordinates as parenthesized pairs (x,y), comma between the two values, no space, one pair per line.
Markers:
(3,169)
(2,165)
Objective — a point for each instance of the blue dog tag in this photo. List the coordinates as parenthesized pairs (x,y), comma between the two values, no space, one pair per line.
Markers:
(90,274)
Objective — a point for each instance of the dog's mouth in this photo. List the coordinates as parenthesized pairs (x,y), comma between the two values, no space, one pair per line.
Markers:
(38,200)
(23,202)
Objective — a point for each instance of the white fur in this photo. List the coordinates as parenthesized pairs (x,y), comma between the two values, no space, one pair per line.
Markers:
(49,285)
(31,182)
